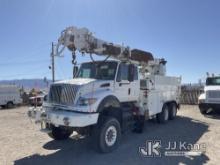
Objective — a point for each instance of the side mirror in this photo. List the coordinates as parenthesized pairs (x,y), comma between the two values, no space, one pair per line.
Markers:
(75,71)
(131,70)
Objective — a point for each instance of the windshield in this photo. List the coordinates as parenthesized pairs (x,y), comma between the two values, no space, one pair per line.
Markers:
(98,70)
(213,81)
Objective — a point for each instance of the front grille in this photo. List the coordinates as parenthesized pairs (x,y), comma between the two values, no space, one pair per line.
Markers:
(63,93)
(214,94)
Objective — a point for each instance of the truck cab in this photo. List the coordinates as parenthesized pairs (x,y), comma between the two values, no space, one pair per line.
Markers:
(92,84)
(210,99)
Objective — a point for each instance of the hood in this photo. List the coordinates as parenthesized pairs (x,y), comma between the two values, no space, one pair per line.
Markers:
(87,84)
(211,88)
(76,81)
(80,87)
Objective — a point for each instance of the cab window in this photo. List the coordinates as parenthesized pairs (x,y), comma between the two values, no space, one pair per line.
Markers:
(122,72)
(135,73)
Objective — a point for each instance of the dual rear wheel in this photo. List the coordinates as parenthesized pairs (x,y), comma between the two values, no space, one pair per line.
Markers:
(168,112)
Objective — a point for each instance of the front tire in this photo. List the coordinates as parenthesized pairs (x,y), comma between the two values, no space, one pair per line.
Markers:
(163,116)
(203,111)
(107,135)
(59,133)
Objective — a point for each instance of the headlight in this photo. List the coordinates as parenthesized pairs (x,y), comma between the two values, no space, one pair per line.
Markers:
(86,101)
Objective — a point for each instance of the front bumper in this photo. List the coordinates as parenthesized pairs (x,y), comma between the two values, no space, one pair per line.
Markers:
(209,105)
(63,118)
(72,119)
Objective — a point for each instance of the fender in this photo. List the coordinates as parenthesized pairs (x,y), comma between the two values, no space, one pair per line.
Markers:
(202,96)
(109,101)
(173,101)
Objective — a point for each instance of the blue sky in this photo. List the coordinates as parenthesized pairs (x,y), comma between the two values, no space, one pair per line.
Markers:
(184,32)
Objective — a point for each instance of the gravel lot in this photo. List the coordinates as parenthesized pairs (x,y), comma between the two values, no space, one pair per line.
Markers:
(22,143)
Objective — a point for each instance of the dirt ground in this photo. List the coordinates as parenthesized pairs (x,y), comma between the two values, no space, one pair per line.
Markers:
(21,142)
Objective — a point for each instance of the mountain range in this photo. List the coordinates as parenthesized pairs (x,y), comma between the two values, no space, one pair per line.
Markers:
(27,83)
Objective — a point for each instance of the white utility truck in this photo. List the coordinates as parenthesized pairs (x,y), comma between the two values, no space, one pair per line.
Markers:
(9,96)
(210,99)
(107,97)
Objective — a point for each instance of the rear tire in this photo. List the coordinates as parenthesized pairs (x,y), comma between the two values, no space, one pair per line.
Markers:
(10,105)
(58,133)
(163,116)
(172,111)
(106,135)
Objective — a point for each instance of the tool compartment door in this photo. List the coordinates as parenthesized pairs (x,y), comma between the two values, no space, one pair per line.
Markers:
(154,102)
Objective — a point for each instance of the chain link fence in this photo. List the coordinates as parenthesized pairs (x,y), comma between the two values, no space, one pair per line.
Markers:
(190,94)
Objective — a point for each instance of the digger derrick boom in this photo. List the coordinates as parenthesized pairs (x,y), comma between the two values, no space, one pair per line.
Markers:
(82,40)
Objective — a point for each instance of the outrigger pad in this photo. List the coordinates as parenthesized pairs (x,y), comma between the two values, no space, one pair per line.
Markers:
(141,56)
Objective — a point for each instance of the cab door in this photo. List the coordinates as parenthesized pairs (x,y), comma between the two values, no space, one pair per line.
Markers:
(134,84)
(126,90)
(122,84)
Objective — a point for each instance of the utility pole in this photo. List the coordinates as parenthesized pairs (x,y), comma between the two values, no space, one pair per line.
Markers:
(52,66)
(75,68)
(52,63)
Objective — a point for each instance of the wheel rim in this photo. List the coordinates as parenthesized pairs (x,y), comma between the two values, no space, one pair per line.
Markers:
(166,114)
(111,135)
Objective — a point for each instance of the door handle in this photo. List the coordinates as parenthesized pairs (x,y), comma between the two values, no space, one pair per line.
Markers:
(120,84)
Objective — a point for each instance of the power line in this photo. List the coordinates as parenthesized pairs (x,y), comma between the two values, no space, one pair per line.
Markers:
(30,54)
